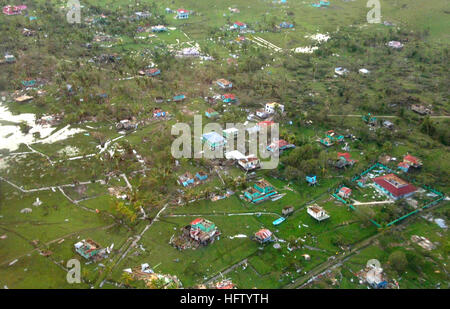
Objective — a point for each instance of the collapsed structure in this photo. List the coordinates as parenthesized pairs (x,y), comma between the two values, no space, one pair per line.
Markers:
(154,280)
(90,250)
(200,232)
(317,212)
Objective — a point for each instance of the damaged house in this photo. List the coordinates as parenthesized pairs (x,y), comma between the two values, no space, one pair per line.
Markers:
(8,59)
(279,145)
(200,232)
(211,113)
(14,10)
(224,84)
(263,236)
(408,162)
(249,163)
(331,138)
(229,98)
(203,231)
(317,212)
(344,160)
(89,249)
(126,125)
(150,72)
(270,108)
(420,109)
(186,179)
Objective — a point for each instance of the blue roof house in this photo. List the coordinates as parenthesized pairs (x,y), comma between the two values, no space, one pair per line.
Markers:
(311,180)
(286,25)
(179,98)
(213,140)
(260,191)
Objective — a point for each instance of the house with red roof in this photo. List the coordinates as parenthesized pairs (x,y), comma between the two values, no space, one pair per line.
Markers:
(239,25)
(393,186)
(203,231)
(412,161)
(404,166)
(279,145)
(344,155)
(345,192)
(229,98)
(14,10)
(263,235)
(249,163)
(150,72)
(344,160)
(266,123)
(182,14)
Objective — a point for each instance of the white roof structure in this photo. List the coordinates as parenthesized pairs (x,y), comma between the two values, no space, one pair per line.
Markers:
(231,131)
(234,155)
(254,129)
(340,71)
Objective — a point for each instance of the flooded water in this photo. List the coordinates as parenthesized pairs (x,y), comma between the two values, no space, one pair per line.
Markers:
(11,137)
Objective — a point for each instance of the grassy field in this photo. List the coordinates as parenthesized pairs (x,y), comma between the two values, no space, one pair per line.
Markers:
(304,83)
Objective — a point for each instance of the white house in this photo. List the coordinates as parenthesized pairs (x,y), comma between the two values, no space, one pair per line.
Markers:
(230,133)
(395,44)
(341,71)
(364,71)
(270,107)
(249,163)
(261,113)
(317,212)
(234,155)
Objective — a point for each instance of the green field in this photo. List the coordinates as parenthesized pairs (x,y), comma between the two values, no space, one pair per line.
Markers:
(75,188)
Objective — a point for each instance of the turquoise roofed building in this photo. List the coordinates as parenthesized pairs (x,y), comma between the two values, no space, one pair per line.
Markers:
(88,248)
(311,180)
(213,140)
(260,191)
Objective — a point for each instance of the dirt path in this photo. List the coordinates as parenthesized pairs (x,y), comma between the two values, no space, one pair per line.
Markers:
(224,214)
(226,271)
(390,116)
(127,246)
(356,203)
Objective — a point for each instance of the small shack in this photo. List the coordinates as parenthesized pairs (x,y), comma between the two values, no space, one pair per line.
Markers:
(287,211)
